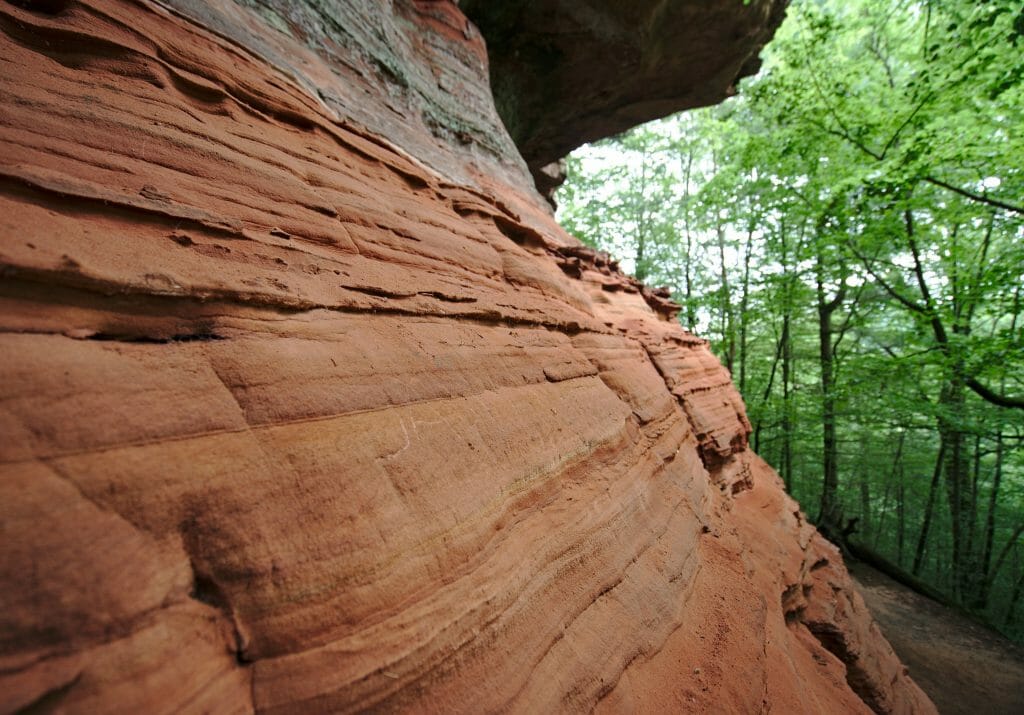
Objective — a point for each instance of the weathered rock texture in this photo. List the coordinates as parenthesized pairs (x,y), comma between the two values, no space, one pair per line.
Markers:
(308,405)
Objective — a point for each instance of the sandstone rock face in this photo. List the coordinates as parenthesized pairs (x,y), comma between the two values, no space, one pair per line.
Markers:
(309,406)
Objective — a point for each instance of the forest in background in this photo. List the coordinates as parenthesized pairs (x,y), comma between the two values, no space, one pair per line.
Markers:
(848,232)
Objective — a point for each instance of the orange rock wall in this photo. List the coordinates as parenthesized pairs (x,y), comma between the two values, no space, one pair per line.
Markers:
(295,422)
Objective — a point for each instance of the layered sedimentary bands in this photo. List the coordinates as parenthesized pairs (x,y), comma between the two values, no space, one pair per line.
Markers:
(308,405)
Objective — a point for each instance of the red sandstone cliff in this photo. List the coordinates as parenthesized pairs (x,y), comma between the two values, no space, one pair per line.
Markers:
(309,406)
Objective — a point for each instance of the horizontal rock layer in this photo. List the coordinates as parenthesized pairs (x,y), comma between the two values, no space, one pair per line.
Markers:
(310,408)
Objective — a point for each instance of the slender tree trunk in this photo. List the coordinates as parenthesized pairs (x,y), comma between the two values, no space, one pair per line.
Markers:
(691,308)
(641,223)
(975,577)
(892,485)
(951,405)
(727,325)
(787,427)
(829,509)
(944,554)
(767,393)
(864,487)
(993,495)
(990,524)
(786,460)
(901,521)
(952,401)
(744,302)
(883,515)
(1010,545)
(922,538)
(1011,611)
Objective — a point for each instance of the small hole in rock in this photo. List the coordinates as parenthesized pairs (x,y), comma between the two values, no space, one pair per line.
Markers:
(207,591)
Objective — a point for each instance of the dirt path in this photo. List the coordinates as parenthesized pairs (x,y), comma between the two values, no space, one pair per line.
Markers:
(963,666)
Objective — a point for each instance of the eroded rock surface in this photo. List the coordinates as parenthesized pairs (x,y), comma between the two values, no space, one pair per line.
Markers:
(309,406)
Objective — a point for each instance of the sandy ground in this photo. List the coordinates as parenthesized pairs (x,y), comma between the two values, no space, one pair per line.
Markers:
(964,667)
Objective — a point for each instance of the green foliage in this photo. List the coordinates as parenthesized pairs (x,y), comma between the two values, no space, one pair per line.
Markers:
(849,234)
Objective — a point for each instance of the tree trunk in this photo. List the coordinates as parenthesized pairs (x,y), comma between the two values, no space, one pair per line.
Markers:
(640,269)
(787,427)
(922,538)
(990,525)
(951,405)
(901,520)
(786,457)
(727,326)
(744,302)
(690,309)
(829,510)
(1011,611)
(883,514)
(865,502)
(901,514)
(767,393)
(1011,545)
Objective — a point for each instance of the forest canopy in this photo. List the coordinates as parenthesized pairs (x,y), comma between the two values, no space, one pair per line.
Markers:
(848,232)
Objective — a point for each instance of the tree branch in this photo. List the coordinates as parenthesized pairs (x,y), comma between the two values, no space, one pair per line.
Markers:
(994,397)
(902,299)
(1006,549)
(933,315)
(975,289)
(906,122)
(981,198)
